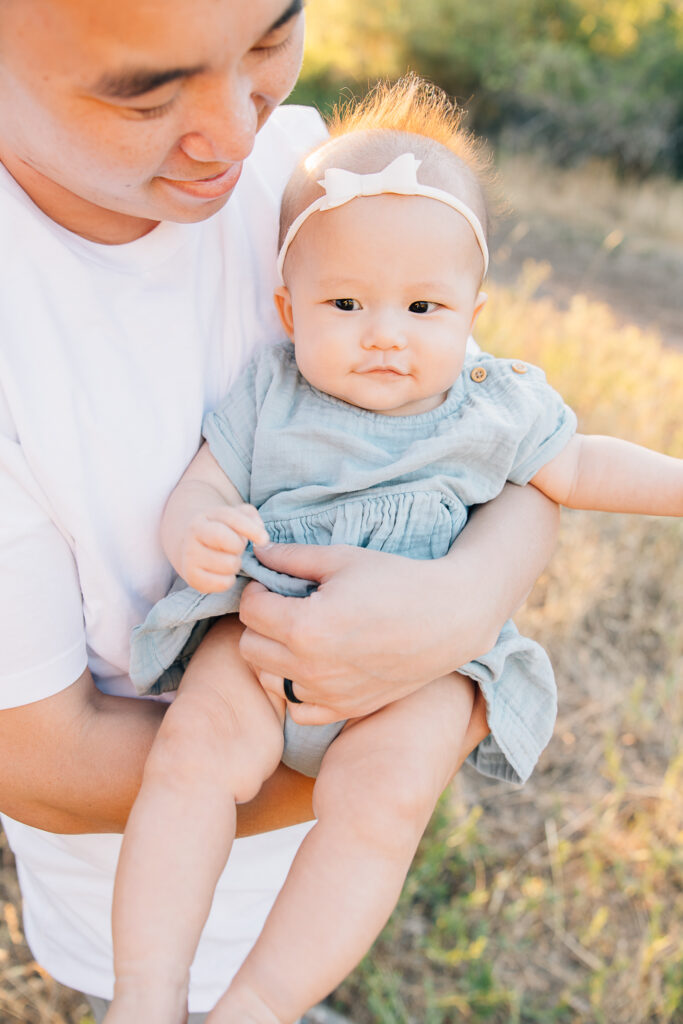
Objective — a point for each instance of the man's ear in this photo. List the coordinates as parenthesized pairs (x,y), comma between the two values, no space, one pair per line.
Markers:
(283,304)
(479,304)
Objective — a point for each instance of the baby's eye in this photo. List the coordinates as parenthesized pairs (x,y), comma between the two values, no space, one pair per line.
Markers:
(422,306)
(347,305)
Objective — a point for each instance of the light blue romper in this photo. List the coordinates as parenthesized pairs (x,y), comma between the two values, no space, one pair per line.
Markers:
(321,471)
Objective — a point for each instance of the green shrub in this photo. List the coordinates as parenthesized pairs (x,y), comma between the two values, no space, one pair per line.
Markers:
(575,77)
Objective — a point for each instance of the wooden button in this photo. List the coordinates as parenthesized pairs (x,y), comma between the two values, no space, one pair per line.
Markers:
(478,374)
(519,367)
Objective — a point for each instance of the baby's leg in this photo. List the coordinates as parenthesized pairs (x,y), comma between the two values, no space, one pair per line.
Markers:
(376,791)
(220,739)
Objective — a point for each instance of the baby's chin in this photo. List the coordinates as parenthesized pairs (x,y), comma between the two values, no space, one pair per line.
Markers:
(407,407)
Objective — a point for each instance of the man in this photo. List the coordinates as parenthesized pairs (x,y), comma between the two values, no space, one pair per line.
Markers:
(138,221)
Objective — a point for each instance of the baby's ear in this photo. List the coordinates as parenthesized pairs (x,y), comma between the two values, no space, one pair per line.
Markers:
(283,304)
(479,304)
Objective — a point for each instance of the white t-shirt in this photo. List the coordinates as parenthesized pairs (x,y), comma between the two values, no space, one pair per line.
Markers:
(109,358)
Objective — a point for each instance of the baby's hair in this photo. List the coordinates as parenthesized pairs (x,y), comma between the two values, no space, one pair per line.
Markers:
(410,115)
(415,106)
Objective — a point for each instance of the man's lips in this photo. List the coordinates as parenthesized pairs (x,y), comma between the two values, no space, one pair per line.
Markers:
(208,188)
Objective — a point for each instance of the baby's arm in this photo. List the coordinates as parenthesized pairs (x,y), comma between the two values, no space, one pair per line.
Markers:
(611,475)
(206,525)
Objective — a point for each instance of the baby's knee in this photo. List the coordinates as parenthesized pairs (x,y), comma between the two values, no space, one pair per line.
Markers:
(253,760)
(178,754)
(384,805)
(194,747)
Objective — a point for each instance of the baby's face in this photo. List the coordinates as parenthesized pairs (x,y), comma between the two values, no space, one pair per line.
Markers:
(381,298)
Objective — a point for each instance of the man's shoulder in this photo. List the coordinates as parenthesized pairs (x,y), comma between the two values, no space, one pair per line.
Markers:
(294,128)
(289,134)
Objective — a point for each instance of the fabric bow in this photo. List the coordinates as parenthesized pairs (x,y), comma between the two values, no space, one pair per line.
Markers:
(400,177)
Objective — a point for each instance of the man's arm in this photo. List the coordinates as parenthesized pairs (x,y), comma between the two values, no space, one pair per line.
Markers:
(73,763)
(380,626)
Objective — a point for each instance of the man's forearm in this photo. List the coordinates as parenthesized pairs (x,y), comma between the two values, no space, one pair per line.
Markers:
(73,763)
(478,728)
(508,541)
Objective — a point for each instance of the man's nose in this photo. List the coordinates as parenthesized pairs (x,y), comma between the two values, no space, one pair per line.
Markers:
(223,122)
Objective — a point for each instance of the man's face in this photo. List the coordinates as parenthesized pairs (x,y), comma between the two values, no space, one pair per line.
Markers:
(114,116)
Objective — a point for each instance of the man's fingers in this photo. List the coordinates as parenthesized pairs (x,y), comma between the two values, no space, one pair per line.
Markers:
(267,655)
(272,682)
(307,561)
(268,614)
(311,714)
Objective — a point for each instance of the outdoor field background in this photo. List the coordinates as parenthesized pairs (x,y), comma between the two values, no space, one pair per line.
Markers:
(561,902)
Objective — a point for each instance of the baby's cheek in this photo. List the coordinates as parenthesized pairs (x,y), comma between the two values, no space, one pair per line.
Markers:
(324,368)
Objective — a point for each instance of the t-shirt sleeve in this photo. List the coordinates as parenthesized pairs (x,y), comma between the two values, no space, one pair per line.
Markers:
(546,424)
(41,615)
(230,429)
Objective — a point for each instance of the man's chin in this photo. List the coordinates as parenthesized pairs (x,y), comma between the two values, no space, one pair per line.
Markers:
(193,214)
(181,212)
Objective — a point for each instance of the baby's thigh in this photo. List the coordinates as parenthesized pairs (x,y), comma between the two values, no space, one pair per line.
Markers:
(218,675)
(223,716)
(388,770)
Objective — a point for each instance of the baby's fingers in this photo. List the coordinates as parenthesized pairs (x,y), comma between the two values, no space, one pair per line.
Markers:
(244,520)
(215,535)
(222,563)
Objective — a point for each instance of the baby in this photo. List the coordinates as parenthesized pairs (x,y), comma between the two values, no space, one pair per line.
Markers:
(371,426)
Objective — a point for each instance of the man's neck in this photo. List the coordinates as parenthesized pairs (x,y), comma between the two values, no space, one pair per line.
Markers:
(92,222)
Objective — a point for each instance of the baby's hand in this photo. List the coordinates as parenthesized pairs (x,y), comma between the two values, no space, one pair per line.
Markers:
(212,547)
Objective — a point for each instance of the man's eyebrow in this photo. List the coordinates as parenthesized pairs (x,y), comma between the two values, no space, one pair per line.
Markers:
(294,8)
(125,85)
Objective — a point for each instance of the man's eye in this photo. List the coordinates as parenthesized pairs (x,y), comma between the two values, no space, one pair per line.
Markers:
(347,305)
(272,49)
(279,39)
(157,111)
(422,306)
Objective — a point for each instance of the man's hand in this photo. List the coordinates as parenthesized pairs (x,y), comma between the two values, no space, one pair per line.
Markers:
(210,553)
(377,628)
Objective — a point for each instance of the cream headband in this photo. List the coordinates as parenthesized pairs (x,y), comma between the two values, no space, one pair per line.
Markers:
(399,178)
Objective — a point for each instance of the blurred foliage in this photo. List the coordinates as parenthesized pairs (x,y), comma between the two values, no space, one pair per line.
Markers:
(578,78)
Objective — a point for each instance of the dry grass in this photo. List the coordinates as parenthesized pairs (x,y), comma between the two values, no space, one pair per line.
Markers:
(28,995)
(616,242)
(594,196)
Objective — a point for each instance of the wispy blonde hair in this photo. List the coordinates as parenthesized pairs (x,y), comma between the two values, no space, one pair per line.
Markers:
(366,133)
(414,106)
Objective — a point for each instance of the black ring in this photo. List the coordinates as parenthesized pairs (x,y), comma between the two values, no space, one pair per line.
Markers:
(289,692)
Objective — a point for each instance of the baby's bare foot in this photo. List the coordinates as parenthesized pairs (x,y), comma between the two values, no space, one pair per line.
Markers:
(145,1008)
(241,1005)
